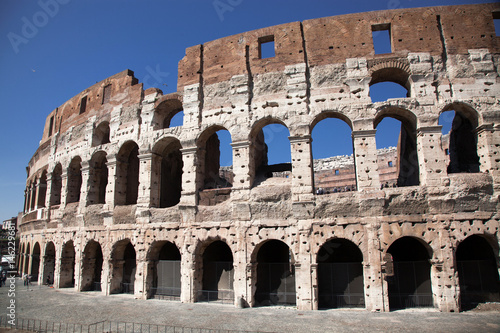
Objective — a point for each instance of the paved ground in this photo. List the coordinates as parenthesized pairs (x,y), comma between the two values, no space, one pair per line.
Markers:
(68,306)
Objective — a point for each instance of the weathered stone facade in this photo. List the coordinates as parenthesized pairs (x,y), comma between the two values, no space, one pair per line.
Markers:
(115,197)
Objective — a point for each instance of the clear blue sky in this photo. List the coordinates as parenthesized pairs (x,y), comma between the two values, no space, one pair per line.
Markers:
(49,53)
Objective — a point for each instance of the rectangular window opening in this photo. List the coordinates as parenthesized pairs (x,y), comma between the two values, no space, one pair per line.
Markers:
(51,125)
(381,34)
(496,23)
(266,47)
(337,172)
(83,104)
(106,94)
(389,164)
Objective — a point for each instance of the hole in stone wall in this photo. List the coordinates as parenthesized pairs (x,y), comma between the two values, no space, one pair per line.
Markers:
(272,152)
(266,47)
(496,23)
(459,141)
(396,142)
(381,34)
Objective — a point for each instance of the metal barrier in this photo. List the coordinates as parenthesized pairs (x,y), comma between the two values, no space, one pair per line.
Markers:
(411,300)
(36,325)
(127,288)
(166,293)
(219,296)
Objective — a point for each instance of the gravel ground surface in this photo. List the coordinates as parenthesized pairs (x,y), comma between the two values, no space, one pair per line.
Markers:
(68,306)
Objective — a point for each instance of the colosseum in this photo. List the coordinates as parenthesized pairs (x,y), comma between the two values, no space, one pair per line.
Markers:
(119,199)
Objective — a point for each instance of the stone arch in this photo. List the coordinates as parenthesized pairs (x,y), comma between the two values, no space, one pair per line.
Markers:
(477,264)
(275,274)
(209,173)
(391,71)
(164,270)
(462,139)
(67,271)
(92,262)
(56,185)
(408,166)
(123,267)
(49,263)
(127,174)
(42,189)
(340,274)
(35,262)
(165,109)
(410,284)
(98,178)
(74,184)
(101,134)
(341,173)
(259,168)
(214,263)
(166,173)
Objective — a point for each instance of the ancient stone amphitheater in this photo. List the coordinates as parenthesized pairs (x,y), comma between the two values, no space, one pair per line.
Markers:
(119,201)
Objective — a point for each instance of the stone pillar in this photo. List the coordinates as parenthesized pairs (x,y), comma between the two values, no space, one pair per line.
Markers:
(189,177)
(85,188)
(303,274)
(187,278)
(431,157)
(64,188)
(365,159)
(488,150)
(48,194)
(78,270)
(140,278)
(145,186)
(57,270)
(302,166)
(240,277)
(106,274)
(110,188)
(241,165)
(374,269)
(25,201)
(314,285)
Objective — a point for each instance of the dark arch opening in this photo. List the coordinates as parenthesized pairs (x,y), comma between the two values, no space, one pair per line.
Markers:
(74,180)
(168,113)
(275,275)
(67,274)
(98,179)
(127,180)
(35,266)
(459,141)
(92,267)
(42,189)
(165,269)
(477,272)
(49,263)
(123,260)
(340,275)
(218,273)
(101,134)
(56,184)
(168,164)
(410,284)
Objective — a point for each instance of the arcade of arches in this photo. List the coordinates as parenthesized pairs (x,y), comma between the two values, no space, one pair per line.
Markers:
(410,272)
